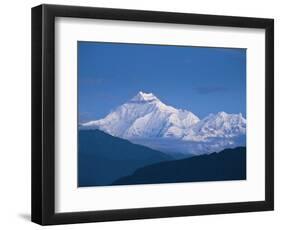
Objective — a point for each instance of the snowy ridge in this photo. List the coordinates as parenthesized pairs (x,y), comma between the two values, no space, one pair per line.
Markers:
(220,125)
(146,120)
(145,116)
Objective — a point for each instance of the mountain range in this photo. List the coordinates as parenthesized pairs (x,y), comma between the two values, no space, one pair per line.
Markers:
(102,158)
(146,120)
(107,160)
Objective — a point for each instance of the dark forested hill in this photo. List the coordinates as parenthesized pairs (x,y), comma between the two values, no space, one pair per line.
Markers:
(229,164)
(102,158)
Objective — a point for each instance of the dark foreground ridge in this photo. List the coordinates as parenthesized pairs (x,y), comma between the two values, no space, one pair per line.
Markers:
(229,164)
(102,158)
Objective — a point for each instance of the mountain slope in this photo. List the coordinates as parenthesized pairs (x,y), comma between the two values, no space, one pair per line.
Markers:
(145,120)
(220,125)
(230,164)
(103,158)
(145,116)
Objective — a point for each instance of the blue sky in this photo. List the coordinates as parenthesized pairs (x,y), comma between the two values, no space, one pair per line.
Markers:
(200,79)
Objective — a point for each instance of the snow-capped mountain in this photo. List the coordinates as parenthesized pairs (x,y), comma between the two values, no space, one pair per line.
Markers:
(147,121)
(220,125)
(145,116)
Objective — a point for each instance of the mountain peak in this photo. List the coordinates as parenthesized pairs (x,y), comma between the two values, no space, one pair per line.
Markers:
(229,115)
(144,97)
(222,114)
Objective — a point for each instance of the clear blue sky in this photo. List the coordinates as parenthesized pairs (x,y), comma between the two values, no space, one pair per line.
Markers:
(200,79)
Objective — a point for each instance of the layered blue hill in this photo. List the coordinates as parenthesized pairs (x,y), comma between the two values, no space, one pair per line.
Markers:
(102,158)
(229,164)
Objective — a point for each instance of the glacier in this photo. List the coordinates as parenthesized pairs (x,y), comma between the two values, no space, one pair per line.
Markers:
(146,120)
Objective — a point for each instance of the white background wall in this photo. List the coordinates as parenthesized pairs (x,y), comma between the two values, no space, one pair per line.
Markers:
(15,114)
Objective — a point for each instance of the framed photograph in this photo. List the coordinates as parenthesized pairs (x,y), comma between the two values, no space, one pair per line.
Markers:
(142,114)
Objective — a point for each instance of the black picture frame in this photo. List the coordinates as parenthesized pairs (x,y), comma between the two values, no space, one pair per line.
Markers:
(43,114)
